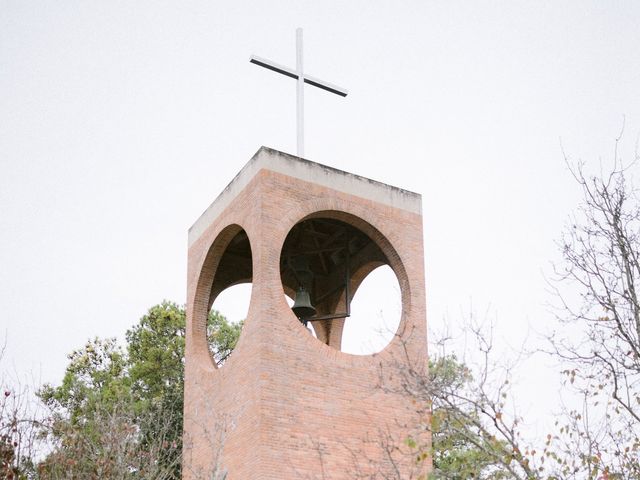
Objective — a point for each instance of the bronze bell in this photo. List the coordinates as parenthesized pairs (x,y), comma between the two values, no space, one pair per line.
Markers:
(302,305)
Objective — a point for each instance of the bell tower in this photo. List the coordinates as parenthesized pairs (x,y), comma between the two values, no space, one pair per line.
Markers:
(288,404)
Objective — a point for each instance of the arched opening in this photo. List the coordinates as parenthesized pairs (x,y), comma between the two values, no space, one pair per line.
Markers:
(376,309)
(230,298)
(323,263)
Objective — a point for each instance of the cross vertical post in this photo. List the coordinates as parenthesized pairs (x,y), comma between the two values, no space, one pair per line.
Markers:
(301,79)
(300,94)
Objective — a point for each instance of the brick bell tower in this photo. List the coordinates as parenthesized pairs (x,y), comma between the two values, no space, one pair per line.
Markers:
(288,405)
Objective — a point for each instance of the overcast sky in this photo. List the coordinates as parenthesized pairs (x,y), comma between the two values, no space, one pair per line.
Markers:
(120,122)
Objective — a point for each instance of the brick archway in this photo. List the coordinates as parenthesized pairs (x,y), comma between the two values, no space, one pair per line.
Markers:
(333,252)
(369,222)
(228,262)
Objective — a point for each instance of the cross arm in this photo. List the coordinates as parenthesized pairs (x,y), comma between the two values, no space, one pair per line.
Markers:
(276,67)
(325,85)
(290,72)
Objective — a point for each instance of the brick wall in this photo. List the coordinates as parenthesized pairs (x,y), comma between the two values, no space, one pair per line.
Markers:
(285,405)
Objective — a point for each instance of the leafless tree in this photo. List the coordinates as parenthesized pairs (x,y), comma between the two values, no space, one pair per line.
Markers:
(111,448)
(466,405)
(476,429)
(598,287)
(20,421)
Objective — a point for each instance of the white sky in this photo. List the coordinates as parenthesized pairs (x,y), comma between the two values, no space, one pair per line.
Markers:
(121,121)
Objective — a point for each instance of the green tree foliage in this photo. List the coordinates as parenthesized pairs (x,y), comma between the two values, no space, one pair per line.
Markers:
(118,411)
(222,336)
(456,452)
(463,445)
(155,348)
(96,376)
(156,370)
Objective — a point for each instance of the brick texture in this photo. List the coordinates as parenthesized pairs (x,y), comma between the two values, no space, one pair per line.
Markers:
(285,405)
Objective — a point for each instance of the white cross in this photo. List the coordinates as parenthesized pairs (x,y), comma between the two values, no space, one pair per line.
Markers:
(301,80)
